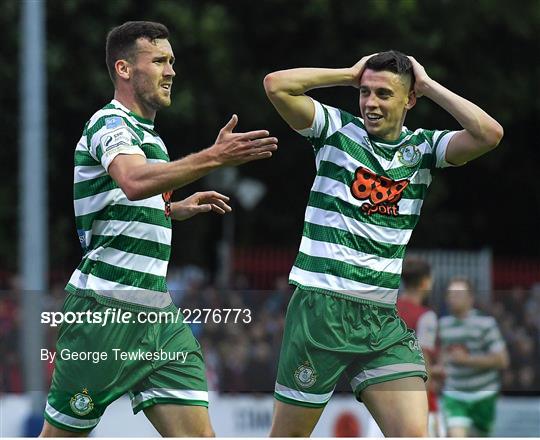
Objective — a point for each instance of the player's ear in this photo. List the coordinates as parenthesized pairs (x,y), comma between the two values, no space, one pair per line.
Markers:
(411,100)
(123,69)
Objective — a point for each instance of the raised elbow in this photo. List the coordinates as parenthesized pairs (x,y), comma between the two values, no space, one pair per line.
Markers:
(494,135)
(271,83)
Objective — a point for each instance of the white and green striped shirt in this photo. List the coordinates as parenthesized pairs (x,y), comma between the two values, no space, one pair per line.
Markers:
(478,334)
(363,205)
(126,244)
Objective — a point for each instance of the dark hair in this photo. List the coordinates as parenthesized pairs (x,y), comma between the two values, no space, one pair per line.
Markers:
(392,61)
(121,40)
(414,271)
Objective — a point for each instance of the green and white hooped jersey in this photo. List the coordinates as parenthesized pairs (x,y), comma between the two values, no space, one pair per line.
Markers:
(126,244)
(363,205)
(478,334)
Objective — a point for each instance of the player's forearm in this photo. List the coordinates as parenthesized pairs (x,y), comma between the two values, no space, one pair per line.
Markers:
(286,89)
(493,360)
(296,82)
(151,179)
(481,126)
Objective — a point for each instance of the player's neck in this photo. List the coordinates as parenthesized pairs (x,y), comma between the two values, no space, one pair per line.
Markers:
(462,314)
(130,102)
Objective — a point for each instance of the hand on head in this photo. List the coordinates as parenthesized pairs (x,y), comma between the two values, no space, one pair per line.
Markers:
(358,69)
(420,77)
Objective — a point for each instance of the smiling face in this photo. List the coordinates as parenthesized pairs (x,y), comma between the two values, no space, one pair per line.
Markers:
(152,73)
(385,98)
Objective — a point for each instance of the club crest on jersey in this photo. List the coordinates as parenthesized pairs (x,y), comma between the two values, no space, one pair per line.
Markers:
(81,403)
(409,155)
(82,238)
(382,193)
(305,376)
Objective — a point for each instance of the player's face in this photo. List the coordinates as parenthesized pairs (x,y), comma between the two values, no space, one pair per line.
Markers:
(459,297)
(153,73)
(385,98)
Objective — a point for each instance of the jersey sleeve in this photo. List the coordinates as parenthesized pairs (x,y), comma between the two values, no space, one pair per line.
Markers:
(113,137)
(492,338)
(327,121)
(426,330)
(440,144)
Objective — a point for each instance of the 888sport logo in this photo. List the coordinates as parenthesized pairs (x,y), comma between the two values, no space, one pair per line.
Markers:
(382,193)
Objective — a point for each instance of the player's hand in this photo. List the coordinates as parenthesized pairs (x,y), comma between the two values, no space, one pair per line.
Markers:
(458,355)
(437,371)
(358,69)
(199,202)
(421,78)
(239,148)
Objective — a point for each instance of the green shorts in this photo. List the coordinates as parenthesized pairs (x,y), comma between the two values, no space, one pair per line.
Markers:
(327,335)
(478,414)
(155,363)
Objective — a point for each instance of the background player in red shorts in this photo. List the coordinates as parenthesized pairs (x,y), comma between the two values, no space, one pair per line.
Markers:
(417,282)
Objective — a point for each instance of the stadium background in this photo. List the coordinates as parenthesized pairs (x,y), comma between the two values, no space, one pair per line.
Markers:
(486,51)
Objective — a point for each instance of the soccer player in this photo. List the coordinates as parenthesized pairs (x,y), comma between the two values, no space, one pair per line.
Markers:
(122,168)
(473,353)
(372,177)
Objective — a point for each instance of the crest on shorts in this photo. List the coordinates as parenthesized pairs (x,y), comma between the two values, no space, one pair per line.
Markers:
(305,376)
(81,403)
(409,155)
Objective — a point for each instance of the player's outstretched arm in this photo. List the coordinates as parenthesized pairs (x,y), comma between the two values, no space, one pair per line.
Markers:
(140,179)
(286,89)
(481,133)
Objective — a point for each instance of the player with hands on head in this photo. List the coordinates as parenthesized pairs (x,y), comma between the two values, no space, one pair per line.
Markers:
(372,177)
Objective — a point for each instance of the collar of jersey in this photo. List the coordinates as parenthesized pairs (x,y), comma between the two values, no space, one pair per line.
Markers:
(146,122)
(384,143)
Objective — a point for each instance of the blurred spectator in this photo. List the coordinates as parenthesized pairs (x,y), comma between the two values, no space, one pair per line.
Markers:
(235,365)
(11,380)
(473,351)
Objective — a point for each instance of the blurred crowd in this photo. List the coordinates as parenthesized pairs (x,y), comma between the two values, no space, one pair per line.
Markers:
(518,314)
(243,356)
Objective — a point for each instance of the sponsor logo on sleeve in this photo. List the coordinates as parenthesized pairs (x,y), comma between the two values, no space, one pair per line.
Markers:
(113,122)
(116,138)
